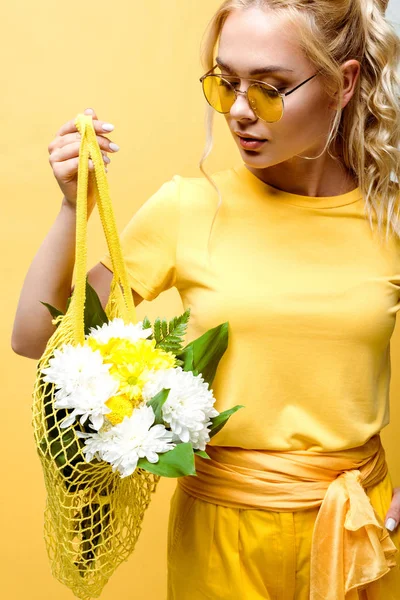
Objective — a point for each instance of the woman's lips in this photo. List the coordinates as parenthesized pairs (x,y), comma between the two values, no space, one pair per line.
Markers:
(251,144)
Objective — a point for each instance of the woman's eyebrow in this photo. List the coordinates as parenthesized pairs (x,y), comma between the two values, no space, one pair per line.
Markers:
(257,71)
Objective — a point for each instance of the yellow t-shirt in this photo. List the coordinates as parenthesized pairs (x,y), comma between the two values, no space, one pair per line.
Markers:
(310,294)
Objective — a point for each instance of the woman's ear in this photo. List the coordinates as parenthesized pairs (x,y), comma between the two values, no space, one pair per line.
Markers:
(351,72)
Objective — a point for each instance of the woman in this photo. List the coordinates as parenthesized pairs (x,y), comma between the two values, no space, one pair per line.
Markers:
(295,497)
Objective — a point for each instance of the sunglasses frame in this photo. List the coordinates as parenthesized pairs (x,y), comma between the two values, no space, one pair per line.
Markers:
(254,81)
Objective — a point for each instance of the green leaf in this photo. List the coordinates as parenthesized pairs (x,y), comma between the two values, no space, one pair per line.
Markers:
(55,312)
(220,420)
(57,453)
(186,358)
(157,330)
(202,453)
(52,310)
(208,350)
(157,403)
(65,448)
(94,315)
(174,463)
(51,415)
(43,445)
(146,324)
(169,336)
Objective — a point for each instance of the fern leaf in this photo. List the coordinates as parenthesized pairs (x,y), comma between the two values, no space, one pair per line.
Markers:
(157,330)
(169,335)
(146,323)
(173,323)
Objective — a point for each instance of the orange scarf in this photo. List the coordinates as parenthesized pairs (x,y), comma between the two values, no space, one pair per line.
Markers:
(351,547)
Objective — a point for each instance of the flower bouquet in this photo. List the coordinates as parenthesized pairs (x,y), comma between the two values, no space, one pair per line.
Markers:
(116,405)
(135,396)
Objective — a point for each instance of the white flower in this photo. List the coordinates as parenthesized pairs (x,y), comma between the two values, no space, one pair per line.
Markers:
(125,443)
(189,405)
(84,383)
(116,328)
(73,367)
(90,402)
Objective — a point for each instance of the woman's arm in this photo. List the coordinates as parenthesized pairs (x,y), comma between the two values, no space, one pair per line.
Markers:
(49,279)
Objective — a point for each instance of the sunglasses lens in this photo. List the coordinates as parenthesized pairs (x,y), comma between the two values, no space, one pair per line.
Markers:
(219,94)
(265,101)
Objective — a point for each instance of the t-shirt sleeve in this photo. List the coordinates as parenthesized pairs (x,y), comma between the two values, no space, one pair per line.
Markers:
(149,242)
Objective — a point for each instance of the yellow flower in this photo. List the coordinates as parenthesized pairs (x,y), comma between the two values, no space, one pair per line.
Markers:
(132,362)
(121,407)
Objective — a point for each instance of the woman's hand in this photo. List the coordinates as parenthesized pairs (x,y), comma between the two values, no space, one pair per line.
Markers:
(393,514)
(64,157)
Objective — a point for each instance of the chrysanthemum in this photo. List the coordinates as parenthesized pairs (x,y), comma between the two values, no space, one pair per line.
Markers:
(189,406)
(120,407)
(72,367)
(90,402)
(116,328)
(122,445)
(132,362)
(83,381)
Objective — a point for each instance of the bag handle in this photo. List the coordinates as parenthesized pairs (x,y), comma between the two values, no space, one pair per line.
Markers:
(90,148)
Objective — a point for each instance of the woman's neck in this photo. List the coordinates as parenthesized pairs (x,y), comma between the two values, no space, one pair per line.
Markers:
(324,176)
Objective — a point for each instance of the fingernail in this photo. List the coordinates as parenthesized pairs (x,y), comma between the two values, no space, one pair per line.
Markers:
(114,147)
(108,127)
(390,524)
(107,160)
(89,110)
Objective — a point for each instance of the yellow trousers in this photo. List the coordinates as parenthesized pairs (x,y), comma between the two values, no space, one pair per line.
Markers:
(221,553)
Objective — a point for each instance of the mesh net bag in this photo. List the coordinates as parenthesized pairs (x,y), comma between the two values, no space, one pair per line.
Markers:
(92,517)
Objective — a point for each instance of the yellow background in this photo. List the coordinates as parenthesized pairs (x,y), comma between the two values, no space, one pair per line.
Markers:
(138,65)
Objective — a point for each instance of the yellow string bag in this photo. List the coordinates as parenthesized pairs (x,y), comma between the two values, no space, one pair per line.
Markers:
(93,517)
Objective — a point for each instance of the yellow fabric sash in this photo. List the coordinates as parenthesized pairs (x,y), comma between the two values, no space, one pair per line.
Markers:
(351,547)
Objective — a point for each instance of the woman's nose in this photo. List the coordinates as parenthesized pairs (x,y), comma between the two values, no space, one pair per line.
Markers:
(242,105)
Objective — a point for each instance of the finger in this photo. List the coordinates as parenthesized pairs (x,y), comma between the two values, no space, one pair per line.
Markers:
(391,523)
(91,166)
(393,514)
(71,138)
(62,154)
(70,127)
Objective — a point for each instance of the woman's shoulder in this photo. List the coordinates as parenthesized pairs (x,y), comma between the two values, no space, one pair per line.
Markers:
(203,179)
(203,187)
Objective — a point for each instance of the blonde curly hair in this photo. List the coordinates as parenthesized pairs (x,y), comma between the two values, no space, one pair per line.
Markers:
(368,128)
